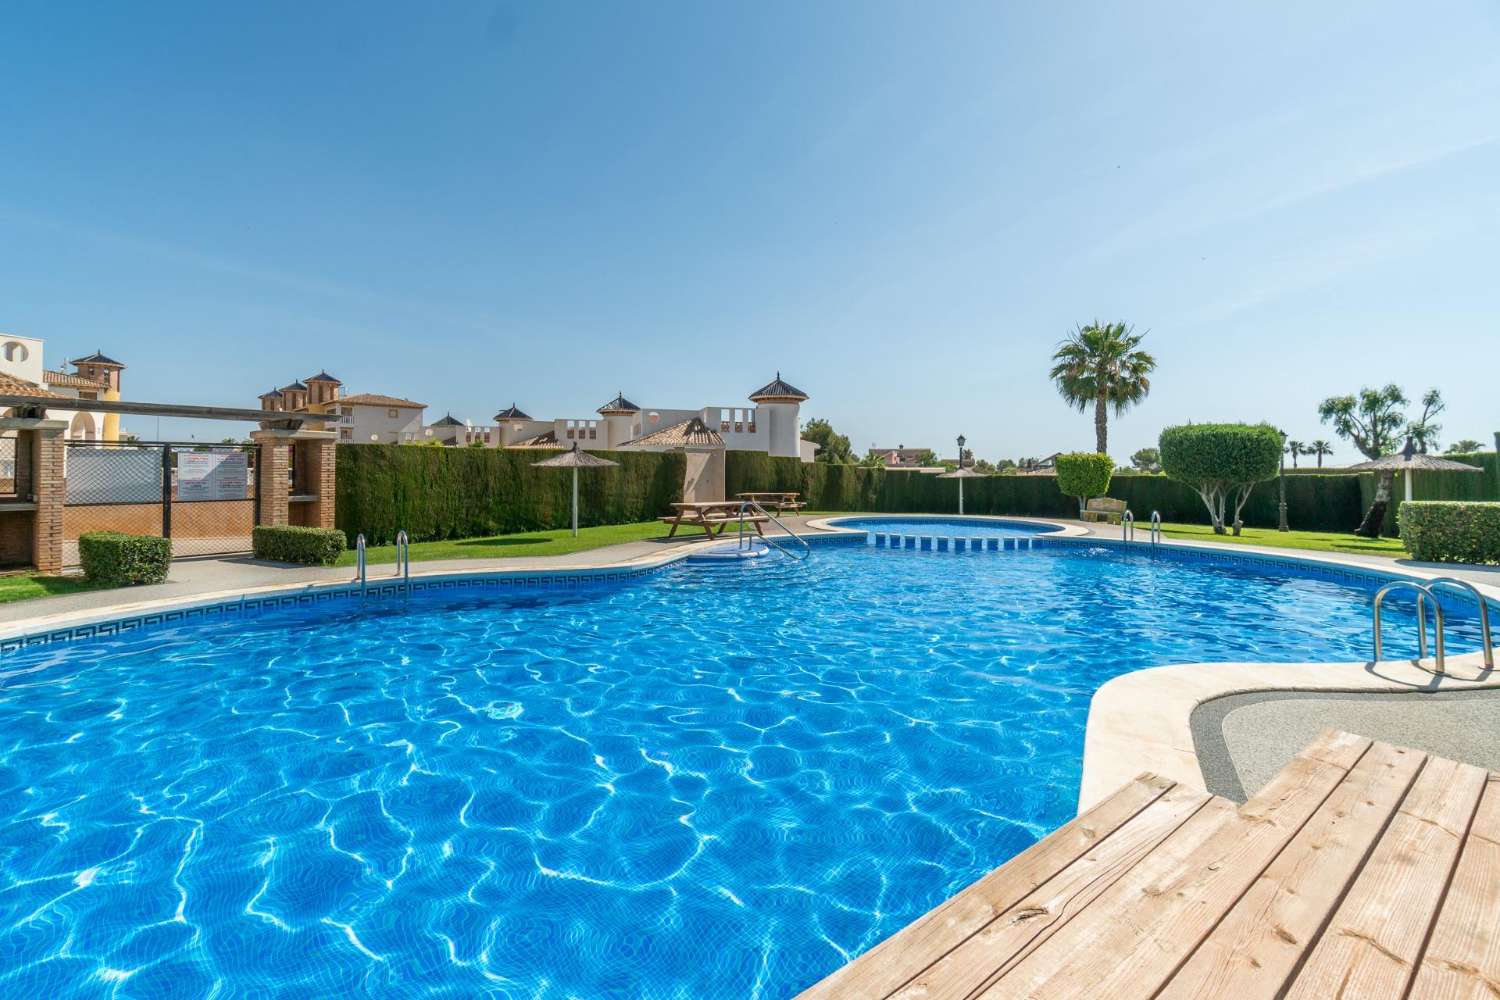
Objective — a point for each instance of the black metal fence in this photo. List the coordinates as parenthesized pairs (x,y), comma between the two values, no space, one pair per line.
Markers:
(201,496)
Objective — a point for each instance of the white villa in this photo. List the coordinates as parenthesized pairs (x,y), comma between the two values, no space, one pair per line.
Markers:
(363,418)
(770,426)
(95,377)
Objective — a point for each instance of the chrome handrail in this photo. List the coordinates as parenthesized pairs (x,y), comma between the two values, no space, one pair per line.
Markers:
(1484,612)
(1437,615)
(359,562)
(1155,527)
(403,558)
(745,541)
(1127,526)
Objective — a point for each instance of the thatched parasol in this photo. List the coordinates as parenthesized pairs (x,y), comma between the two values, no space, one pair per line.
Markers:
(575,460)
(961,473)
(1407,460)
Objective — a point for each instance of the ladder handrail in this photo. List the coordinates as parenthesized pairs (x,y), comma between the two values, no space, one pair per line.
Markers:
(359,561)
(1437,614)
(745,541)
(1484,612)
(1127,526)
(1155,527)
(403,558)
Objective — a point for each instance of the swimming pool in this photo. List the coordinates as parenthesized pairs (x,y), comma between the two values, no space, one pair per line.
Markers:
(945,527)
(711,781)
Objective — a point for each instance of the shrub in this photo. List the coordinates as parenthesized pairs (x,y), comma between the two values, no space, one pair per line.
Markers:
(1084,474)
(1451,531)
(287,543)
(1219,459)
(115,559)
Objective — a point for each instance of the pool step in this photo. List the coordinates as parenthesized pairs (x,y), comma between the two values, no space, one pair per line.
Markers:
(941,543)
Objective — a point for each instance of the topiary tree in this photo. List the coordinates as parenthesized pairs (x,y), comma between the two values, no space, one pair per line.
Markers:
(1084,474)
(1218,460)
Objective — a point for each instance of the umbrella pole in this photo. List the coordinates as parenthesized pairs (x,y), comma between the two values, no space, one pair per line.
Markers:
(575,503)
(1406,475)
(960,496)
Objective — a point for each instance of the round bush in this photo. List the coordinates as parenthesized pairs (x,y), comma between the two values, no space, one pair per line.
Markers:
(1231,454)
(1084,474)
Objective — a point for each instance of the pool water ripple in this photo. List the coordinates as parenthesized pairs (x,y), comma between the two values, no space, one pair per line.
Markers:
(710,782)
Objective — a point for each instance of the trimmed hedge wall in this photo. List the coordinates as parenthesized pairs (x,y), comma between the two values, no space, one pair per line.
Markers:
(1314,502)
(1438,486)
(115,559)
(437,493)
(293,544)
(1451,531)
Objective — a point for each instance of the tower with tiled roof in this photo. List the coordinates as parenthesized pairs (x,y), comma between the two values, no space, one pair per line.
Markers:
(622,421)
(780,407)
(100,367)
(322,388)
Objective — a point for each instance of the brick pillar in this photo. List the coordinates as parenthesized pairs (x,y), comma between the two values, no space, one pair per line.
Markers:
(50,487)
(316,462)
(272,461)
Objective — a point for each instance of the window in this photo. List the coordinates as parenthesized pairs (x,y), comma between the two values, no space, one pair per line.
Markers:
(16,351)
(393,413)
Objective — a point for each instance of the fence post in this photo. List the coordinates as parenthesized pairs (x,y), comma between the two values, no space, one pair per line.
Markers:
(271,464)
(50,486)
(166,491)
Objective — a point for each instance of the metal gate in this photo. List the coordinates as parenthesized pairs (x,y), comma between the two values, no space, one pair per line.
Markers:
(201,496)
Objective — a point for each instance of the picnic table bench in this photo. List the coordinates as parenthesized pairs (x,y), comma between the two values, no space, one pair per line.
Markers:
(1104,509)
(713,516)
(779,502)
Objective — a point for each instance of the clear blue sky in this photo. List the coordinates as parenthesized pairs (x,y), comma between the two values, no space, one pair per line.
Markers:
(903,207)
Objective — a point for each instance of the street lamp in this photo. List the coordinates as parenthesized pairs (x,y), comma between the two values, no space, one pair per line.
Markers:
(1281,524)
(961,440)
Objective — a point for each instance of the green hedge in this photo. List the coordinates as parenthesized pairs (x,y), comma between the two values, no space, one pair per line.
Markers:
(1439,486)
(1315,502)
(1451,531)
(115,559)
(437,493)
(288,543)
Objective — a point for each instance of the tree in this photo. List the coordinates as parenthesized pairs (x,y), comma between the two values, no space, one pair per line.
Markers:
(1100,365)
(1372,420)
(1422,431)
(871,461)
(1147,460)
(927,457)
(1005,465)
(1295,448)
(1222,462)
(1319,448)
(983,465)
(1083,475)
(1465,447)
(833,447)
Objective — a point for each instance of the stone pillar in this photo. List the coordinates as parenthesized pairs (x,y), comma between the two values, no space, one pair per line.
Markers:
(50,487)
(272,461)
(316,461)
(703,479)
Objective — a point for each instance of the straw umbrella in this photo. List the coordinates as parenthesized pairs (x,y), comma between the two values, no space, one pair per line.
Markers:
(575,460)
(1408,460)
(961,474)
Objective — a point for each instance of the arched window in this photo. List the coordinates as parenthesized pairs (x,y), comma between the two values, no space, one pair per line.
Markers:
(15,351)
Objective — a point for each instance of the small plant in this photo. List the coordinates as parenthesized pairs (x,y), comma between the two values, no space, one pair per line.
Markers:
(309,546)
(1218,460)
(1084,475)
(115,559)
(1451,530)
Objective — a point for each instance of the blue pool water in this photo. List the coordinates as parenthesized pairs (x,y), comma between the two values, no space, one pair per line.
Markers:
(945,527)
(710,782)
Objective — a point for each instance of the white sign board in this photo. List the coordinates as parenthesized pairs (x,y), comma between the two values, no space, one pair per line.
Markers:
(212,475)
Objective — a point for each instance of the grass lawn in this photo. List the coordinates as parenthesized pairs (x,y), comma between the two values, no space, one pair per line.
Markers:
(25,586)
(1321,541)
(528,543)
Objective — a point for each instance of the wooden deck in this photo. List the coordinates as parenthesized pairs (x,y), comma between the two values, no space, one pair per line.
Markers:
(1362,870)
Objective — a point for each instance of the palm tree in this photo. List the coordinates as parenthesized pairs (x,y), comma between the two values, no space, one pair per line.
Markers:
(1100,365)
(1295,448)
(1319,448)
(1464,447)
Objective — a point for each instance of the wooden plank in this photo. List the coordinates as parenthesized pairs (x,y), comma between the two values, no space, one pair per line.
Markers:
(1136,934)
(1462,961)
(1032,921)
(1371,946)
(898,958)
(1256,948)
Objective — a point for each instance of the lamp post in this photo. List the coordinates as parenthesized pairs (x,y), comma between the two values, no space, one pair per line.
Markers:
(1281,524)
(961,440)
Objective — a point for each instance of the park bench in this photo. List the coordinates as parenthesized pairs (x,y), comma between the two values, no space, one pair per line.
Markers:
(1105,509)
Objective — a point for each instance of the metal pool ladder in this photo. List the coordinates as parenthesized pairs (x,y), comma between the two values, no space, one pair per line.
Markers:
(359,562)
(403,559)
(1423,594)
(1155,527)
(1127,526)
(745,540)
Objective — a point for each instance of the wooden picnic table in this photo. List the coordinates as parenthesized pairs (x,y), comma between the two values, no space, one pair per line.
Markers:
(711,515)
(782,501)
